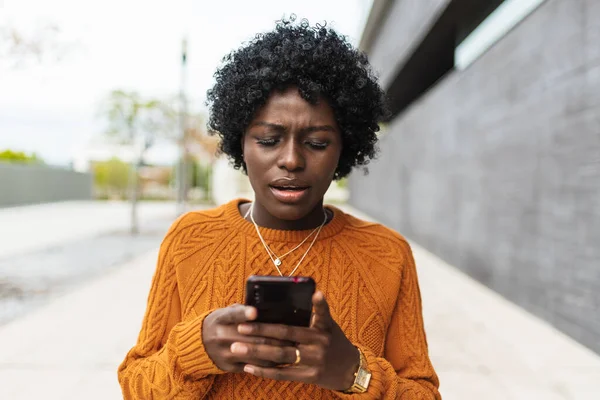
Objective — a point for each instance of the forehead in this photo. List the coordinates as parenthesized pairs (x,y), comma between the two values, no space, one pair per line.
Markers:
(289,106)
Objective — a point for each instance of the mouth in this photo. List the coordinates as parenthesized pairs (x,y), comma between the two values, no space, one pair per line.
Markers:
(289,193)
(289,187)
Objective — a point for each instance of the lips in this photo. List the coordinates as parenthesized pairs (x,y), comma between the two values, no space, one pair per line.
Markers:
(292,188)
(289,190)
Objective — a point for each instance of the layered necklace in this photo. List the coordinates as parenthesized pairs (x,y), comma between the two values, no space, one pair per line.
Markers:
(277,259)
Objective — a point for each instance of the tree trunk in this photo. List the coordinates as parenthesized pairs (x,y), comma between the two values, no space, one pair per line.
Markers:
(133,196)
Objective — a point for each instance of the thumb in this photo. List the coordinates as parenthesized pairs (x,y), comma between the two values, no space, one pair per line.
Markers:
(235,314)
(321,317)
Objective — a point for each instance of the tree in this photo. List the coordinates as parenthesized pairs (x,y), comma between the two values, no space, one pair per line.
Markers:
(197,146)
(198,142)
(43,43)
(19,157)
(136,122)
(200,151)
(111,177)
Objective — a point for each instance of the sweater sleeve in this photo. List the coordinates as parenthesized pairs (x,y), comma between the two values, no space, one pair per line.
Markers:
(169,359)
(405,372)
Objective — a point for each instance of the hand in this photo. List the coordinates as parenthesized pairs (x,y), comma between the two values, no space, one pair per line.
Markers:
(327,358)
(219,331)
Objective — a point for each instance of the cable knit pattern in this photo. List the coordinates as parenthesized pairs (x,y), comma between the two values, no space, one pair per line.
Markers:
(365,270)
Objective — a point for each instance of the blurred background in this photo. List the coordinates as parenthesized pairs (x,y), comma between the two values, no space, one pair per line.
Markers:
(489,164)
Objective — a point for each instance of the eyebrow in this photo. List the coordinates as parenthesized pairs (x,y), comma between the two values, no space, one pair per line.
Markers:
(281,128)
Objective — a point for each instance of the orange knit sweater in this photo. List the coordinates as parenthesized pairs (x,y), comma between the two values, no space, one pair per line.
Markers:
(365,270)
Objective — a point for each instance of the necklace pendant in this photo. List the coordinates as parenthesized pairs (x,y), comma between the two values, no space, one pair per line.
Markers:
(277,262)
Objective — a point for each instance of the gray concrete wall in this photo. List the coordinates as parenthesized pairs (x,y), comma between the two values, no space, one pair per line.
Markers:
(396,41)
(497,168)
(30,184)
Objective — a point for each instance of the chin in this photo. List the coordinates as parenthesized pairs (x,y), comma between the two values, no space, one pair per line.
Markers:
(289,212)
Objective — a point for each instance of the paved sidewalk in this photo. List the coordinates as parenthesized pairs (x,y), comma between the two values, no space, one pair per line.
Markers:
(482,346)
(35,227)
(485,347)
(71,348)
(50,249)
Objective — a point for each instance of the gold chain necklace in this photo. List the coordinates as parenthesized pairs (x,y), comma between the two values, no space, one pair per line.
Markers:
(276,260)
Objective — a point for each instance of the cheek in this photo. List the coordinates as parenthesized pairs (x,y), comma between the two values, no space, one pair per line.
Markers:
(327,167)
(250,164)
(254,176)
(335,159)
(255,163)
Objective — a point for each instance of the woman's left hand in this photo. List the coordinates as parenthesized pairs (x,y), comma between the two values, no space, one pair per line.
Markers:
(327,358)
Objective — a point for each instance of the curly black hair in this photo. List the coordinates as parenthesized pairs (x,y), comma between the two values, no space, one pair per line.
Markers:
(317,60)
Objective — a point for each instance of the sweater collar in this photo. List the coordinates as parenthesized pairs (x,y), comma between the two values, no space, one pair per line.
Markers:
(333,227)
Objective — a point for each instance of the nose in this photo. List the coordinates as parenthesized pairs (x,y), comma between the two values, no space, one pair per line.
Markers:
(291,157)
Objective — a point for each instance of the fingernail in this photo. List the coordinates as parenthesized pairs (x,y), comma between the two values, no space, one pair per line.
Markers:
(249,313)
(249,369)
(244,329)
(239,348)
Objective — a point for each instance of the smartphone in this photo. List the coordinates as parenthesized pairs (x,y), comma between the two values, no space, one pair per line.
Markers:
(281,300)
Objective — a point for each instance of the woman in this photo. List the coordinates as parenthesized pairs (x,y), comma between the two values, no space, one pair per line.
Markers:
(295,108)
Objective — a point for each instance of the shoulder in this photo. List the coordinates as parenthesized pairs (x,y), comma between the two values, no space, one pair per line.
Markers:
(189,229)
(199,220)
(373,231)
(377,239)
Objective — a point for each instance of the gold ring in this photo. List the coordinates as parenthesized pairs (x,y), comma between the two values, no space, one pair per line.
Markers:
(298,358)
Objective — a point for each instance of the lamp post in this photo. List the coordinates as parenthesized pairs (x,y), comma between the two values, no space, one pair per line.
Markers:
(182,167)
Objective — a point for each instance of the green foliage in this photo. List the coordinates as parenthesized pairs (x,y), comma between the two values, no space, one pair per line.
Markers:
(130,116)
(19,157)
(111,178)
(201,175)
(134,119)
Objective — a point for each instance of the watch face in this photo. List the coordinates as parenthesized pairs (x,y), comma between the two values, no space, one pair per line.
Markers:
(363,377)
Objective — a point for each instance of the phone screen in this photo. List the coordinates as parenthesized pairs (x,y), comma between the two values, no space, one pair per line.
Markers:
(281,300)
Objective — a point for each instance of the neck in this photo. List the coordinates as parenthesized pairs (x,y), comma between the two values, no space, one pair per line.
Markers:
(310,221)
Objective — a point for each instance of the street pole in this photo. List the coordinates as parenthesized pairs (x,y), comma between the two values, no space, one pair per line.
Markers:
(182,167)
(133,185)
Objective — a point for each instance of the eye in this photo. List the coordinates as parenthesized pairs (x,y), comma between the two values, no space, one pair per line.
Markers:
(267,142)
(318,145)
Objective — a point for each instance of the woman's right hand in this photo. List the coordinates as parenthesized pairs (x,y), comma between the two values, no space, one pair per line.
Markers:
(220,330)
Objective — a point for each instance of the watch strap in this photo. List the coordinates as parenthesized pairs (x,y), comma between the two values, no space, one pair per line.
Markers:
(362,376)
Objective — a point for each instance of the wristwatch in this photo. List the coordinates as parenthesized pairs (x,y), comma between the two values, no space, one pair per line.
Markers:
(362,376)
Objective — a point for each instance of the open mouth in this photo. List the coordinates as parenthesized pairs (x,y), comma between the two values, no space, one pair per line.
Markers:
(290,188)
(289,194)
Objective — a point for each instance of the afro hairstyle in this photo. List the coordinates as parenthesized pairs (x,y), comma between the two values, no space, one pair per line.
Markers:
(321,64)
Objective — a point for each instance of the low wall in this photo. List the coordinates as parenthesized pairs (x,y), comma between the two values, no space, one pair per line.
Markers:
(32,184)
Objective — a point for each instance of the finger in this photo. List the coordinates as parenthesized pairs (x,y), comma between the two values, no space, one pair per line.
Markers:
(238,365)
(277,331)
(262,340)
(236,314)
(227,334)
(322,317)
(253,354)
(296,374)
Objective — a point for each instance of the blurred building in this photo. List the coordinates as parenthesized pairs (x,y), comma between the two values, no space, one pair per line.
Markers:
(492,156)
(228,183)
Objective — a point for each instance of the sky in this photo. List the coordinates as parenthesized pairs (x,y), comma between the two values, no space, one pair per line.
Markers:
(51,107)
